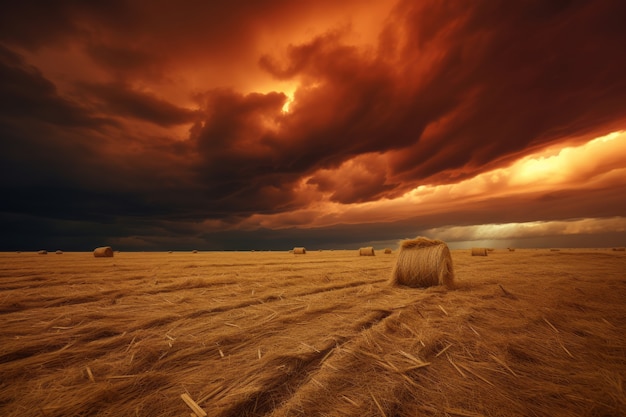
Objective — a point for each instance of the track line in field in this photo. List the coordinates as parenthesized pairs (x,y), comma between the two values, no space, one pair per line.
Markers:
(279,387)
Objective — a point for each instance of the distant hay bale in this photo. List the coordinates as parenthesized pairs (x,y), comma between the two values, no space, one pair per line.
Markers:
(299,251)
(620,249)
(194,251)
(387,250)
(479,252)
(554,250)
(490,249)
(59,252)
(43,252)
(103,252)
(367,251)
(423,262)
(511,249)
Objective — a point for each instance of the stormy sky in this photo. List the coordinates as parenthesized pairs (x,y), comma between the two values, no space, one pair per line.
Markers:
(158,125)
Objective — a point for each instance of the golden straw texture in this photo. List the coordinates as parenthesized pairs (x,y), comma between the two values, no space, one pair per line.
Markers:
(423,262)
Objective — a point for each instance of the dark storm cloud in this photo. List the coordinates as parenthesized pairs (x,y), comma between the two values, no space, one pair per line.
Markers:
(121,100)
(27,95)
(499,80)
(35,24)
(524,74)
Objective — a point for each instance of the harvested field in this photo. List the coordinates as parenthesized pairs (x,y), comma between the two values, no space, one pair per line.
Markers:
(525,333)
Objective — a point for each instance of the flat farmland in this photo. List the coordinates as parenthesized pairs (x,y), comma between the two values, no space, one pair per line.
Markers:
(524,333)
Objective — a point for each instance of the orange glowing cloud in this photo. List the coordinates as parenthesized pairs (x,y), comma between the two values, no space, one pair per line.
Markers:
(597,164)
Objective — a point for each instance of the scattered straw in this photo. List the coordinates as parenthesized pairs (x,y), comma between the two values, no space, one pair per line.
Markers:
(90,374)
(507,293)
(471,371)
(455,367)
(193,405)
(565,349)
(310,347)
(462,413)
(382,412)
(443,350)
(418,362)
(349,400)
(550,324)
(501,362)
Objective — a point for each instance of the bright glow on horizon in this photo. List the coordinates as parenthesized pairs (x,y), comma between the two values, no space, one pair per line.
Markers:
(577,168)
(507,231)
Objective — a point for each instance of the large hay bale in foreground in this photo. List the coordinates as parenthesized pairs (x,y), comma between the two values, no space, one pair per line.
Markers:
(368,251)
(479,251)
(103,252)
(423,262)
(299,251)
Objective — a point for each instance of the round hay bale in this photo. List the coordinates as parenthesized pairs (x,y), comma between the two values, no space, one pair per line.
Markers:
(479,252)
(619,249)
(423,262)
(555,250)
(511,249)
(387,250)
(42,252)
(103,252)
(194,251)
(59,252)
(299,251)
(368,251)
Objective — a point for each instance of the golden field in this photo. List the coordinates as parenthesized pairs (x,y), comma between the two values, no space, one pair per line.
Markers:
(524,333)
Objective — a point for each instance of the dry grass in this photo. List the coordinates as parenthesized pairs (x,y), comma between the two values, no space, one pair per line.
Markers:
(526,333)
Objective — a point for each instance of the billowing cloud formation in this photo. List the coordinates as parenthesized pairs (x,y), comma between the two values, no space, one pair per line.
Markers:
(170,121)
(555,184)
